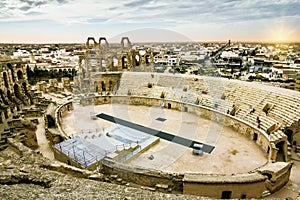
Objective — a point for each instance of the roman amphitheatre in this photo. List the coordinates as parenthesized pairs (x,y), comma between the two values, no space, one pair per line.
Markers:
(123,131)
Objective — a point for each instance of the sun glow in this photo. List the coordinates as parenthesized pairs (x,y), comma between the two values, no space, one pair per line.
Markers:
(282,34)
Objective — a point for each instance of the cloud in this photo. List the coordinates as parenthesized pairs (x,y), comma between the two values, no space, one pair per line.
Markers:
(96,20)
(137,3)
(33,13)
(145,11)
(25,8)
(62,1)
(28,2)
(40,3)
(132,14)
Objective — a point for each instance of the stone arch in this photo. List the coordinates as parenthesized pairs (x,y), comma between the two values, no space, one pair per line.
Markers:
(110,85)
(103,64)
(25,89)
(3,97)
(148,59)
(103,45)
(20,74)
(289,133)
(16,105)
(9,96)
(124,61)
(115,63)
(90,45)
(1,119)
(9,65)
(125,44)
(103,86)
(137,60)
(17,92)
(281,154)
(96,86)
(5,78)
(60,73)
(51,121)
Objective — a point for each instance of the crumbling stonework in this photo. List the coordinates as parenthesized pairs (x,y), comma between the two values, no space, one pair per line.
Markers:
(100,64)
(25,174)
(16,102)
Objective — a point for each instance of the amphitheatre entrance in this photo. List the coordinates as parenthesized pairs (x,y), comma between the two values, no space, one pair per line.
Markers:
(233,153)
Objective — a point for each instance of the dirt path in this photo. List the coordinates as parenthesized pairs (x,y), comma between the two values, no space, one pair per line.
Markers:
(42,141)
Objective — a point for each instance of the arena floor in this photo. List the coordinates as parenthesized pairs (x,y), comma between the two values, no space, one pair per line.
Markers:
(233,152)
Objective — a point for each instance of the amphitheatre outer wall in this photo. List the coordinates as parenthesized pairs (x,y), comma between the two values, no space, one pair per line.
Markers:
(250,185)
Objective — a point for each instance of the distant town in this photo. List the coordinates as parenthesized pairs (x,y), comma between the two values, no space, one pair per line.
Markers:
(277,64)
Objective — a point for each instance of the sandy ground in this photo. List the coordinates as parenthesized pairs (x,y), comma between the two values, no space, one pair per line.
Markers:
(233,153)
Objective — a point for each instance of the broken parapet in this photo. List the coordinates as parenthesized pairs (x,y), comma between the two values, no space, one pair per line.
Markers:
(278,174)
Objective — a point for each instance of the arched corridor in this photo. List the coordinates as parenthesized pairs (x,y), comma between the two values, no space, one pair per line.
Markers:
(5,78)
(20,75)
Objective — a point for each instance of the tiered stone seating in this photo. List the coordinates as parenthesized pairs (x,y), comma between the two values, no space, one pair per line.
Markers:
(285,109)
(173,86)
(178,82)
(134,81)
(221,94)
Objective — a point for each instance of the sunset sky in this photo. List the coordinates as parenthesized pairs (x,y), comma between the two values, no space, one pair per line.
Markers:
(51,21)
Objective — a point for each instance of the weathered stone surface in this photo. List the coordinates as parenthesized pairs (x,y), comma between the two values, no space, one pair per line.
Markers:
(28,175)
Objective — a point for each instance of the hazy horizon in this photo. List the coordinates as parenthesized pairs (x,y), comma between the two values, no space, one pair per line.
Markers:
(73,21)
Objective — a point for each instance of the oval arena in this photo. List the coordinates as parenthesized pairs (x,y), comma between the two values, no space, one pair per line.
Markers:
(247,160)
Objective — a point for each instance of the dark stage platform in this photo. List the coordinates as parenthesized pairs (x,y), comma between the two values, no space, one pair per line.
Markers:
(163,135)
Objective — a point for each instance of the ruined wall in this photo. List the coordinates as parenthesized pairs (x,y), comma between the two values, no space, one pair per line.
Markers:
(278,175)
(99,58)
(15,96)
(144,177)
(60,112)
(5,133)
(239,186)
(14,88)
(106,82)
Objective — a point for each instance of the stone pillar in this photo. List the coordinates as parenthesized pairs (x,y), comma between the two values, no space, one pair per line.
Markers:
(273,152)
